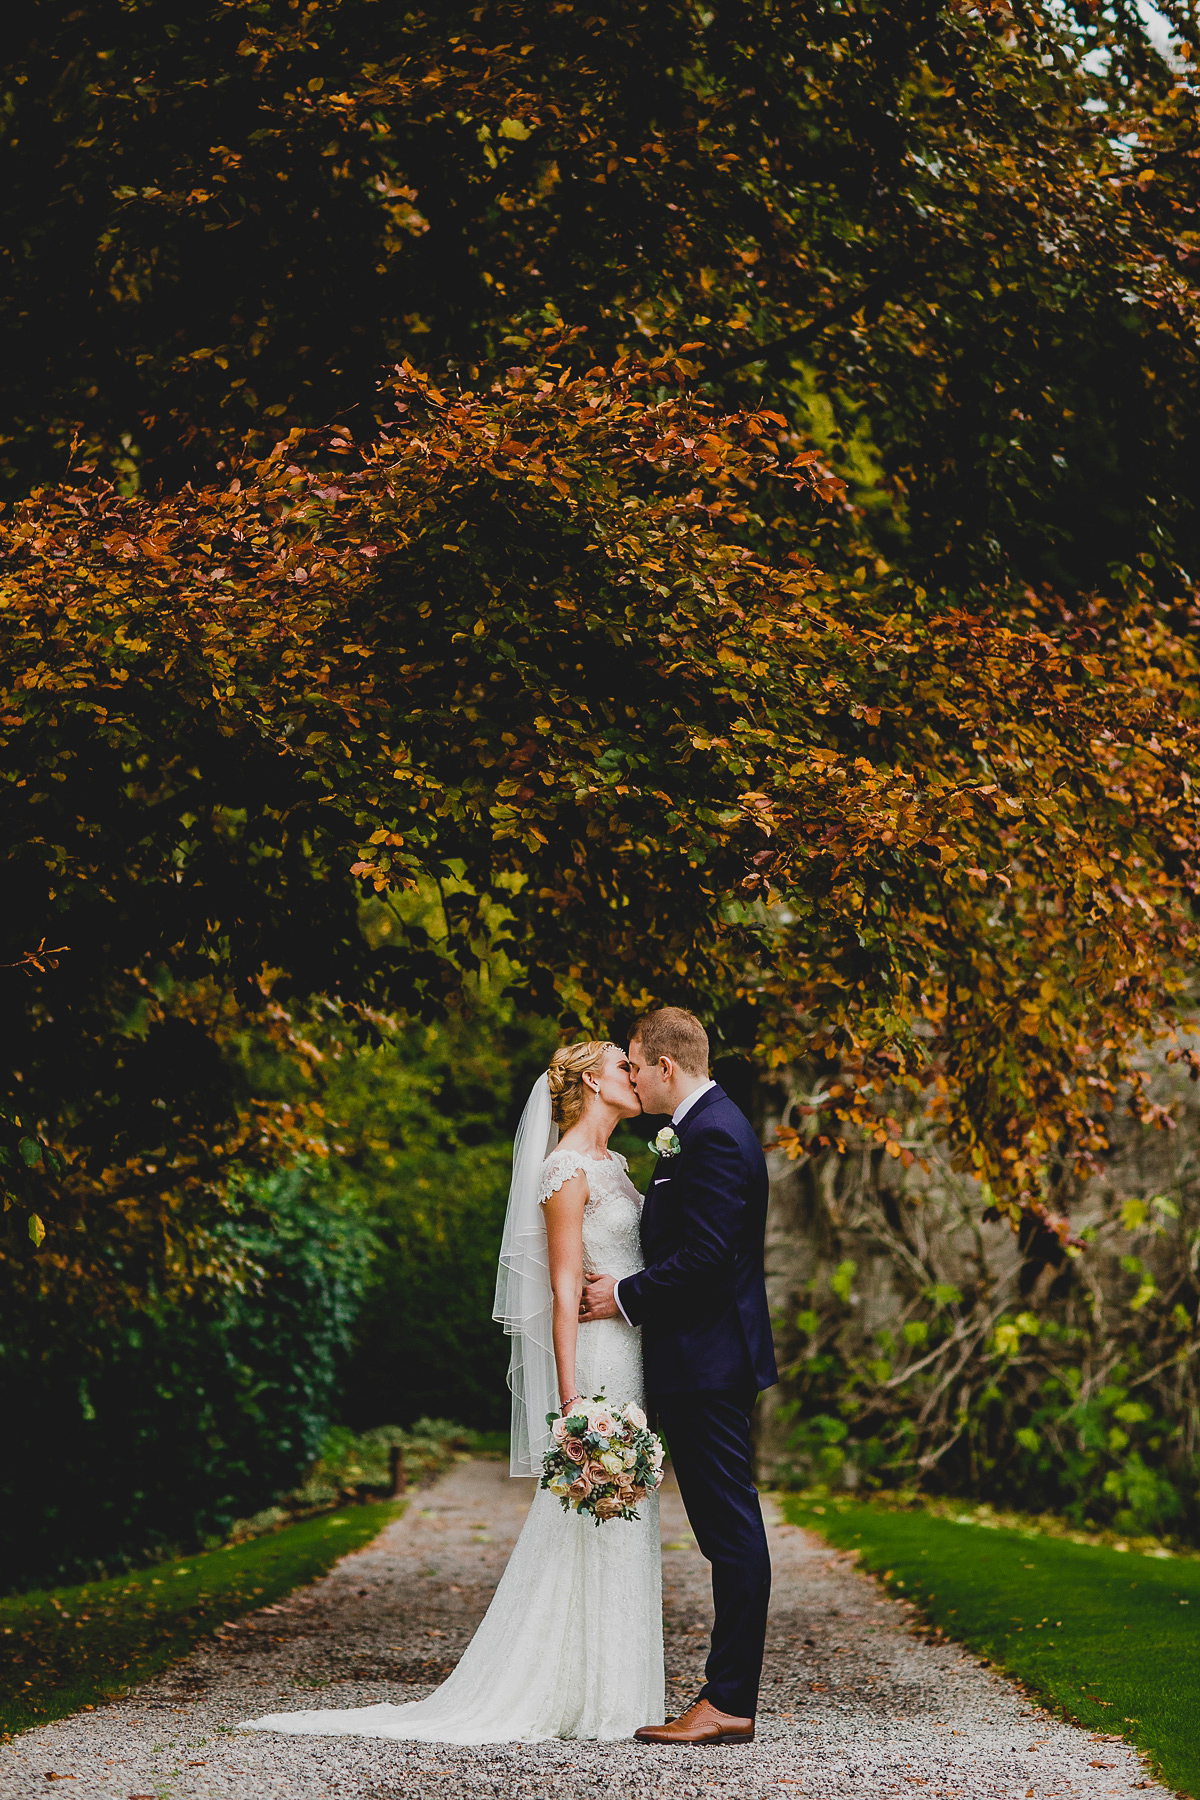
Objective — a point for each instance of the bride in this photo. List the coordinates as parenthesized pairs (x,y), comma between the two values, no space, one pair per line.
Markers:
(571,1645)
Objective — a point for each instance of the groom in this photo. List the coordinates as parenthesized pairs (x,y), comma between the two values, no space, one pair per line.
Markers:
(706,1345)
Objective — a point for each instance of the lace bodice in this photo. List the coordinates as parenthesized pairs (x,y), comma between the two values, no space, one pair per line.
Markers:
(612,1215)
(605,1174)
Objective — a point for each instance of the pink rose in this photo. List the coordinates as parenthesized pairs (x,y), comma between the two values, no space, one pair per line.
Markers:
(574,1449)
(558,1430)
(607,1509)
(579,1490)
(604,1424)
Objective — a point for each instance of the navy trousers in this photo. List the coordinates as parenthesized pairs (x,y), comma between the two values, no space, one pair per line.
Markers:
(708,1440)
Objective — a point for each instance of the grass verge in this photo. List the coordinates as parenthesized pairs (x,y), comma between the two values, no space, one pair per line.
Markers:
(65,1649)
(1107,1638)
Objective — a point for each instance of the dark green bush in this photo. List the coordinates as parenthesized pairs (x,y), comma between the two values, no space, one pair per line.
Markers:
(420,1126)
(161,1429)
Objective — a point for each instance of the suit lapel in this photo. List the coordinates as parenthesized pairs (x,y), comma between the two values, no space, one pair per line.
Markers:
(664,1167)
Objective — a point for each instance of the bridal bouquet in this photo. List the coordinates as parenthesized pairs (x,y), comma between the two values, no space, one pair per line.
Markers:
(603,1460)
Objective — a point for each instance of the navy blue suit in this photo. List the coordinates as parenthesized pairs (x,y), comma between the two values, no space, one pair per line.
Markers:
(701,1302)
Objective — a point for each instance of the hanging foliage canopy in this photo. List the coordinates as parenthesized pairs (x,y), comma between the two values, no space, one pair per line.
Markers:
(517,639)
(801,630)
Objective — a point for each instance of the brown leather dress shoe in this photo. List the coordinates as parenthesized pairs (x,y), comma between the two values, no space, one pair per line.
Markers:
(700,1724)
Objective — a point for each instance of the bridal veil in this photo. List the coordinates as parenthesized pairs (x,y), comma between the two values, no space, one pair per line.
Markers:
(524,1302)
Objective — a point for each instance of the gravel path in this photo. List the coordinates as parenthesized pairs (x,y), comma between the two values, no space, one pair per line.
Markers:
(853,1704)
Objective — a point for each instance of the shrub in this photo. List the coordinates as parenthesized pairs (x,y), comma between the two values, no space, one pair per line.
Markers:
(160,1429)
(420,1126)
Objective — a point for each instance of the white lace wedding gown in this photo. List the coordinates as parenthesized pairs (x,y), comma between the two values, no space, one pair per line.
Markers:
(571,1646)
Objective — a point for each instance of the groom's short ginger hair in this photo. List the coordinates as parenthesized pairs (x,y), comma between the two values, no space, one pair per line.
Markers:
(674,1032)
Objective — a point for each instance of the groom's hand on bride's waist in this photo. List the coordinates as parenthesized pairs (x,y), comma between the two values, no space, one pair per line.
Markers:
(597,1301)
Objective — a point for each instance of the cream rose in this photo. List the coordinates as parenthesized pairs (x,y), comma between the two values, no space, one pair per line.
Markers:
(612,1461)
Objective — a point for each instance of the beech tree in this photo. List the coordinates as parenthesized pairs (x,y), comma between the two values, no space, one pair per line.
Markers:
(879,748)
(976,220)
(516,640)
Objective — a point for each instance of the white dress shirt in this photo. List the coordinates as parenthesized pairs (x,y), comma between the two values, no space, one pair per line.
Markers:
(681,1111)
(685,1105)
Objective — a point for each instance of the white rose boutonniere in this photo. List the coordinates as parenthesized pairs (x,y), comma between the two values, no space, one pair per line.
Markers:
(666,1143)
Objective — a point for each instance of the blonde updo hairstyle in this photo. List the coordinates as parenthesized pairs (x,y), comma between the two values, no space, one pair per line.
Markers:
(568,1066)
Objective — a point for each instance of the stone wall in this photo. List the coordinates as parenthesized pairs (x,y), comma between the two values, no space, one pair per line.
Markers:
(909,1232)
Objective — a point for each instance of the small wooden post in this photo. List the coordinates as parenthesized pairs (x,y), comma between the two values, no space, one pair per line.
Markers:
(399,1475)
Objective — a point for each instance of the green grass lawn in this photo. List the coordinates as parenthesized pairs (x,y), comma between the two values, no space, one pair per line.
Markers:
(1109,1639)
(67,1648)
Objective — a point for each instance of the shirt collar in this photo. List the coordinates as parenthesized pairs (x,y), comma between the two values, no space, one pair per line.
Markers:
(685,1106)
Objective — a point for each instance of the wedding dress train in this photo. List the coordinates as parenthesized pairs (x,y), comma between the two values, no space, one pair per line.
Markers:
(571,1645)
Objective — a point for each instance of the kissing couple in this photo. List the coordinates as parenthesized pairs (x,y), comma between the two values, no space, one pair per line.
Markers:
(659,1301)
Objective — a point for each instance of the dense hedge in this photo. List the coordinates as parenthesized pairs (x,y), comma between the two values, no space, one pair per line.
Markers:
(161,1428)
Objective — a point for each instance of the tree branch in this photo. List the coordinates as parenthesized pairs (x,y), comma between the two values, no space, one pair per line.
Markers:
(874,293)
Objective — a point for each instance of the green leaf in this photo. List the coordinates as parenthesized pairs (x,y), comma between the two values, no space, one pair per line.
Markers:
(31,1151)
(843,1279)
(1145,1293)
(37,1231)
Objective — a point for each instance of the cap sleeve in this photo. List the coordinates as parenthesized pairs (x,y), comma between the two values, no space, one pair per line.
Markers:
(559,1168)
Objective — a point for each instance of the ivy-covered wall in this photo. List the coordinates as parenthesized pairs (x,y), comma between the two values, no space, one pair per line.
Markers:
(927,1345)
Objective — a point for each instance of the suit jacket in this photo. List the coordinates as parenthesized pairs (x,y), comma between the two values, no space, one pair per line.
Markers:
(701,1300)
